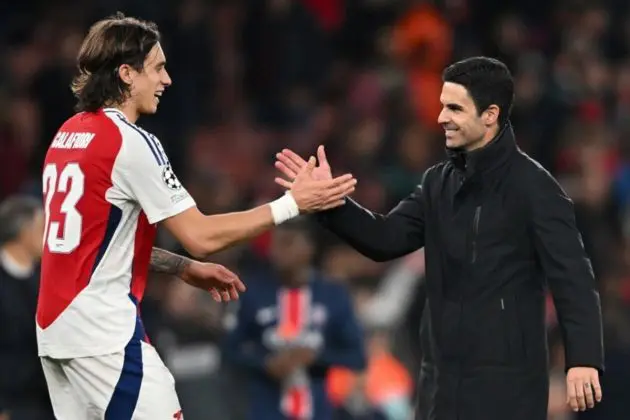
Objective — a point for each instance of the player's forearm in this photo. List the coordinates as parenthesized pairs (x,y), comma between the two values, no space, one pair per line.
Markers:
(166,262)
(225,230)
(203,235)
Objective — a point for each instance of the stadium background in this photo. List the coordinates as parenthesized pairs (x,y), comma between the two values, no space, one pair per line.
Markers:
(363,78)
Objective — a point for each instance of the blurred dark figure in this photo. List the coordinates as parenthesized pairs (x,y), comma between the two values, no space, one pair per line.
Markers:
(383,392)
(23,391)
(292,326)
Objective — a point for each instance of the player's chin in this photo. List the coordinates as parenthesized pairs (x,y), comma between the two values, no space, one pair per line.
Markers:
(151,108)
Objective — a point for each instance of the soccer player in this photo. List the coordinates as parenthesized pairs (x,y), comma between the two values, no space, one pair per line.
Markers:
(107,183)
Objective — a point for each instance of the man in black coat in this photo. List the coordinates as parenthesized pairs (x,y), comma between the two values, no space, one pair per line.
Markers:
(497,229)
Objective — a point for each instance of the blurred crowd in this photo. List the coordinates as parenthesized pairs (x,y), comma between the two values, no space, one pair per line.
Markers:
(362,77)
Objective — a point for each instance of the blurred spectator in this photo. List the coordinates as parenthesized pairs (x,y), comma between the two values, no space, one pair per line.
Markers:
(422,41)
(383,392)
(291,328)
(23,390)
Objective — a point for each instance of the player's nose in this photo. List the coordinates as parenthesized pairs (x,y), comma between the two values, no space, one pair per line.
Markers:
(166,79)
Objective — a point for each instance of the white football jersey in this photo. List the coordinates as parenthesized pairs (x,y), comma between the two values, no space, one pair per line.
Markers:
(106,184)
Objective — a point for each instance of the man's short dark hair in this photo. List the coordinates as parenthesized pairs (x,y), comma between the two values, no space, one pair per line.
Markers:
(110,43)
(488,82)
(15,213)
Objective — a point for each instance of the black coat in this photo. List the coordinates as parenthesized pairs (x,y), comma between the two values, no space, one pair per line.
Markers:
(497,229)
(22,381)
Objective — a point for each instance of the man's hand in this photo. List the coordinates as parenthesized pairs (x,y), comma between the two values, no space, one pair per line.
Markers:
(583,388)
(290,164)
(282,364)
(303,356)
(313,194)
(222,284)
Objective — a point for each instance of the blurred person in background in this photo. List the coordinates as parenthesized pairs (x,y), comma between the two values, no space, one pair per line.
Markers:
(291,327)
(497,230)
(23,391)
(383,392)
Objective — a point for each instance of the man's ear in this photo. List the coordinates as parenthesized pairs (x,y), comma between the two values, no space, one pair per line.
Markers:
(491,115)
(126,73)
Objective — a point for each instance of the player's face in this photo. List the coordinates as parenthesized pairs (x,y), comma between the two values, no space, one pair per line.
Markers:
(147,86)
(463,127)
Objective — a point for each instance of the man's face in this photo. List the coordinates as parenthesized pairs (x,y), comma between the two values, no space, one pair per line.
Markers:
(148,85)
(463,127)
(290,249)
(33,233)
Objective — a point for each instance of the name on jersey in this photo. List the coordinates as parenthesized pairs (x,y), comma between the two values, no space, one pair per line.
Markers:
(66,140)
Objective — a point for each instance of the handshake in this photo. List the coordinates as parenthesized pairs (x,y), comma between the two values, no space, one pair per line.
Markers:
(312,186)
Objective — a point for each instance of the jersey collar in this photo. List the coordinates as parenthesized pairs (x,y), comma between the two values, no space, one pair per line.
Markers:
(115,111)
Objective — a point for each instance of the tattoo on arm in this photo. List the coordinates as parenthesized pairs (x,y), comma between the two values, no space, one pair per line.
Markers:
(166,262)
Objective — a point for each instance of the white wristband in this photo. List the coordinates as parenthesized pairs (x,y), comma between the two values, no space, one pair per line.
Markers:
(284,208)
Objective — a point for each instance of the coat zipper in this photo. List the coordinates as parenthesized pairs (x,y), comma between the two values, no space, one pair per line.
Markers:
(475,231)
(473,258)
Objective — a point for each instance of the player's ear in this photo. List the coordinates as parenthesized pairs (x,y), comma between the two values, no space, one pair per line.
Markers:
(125,72)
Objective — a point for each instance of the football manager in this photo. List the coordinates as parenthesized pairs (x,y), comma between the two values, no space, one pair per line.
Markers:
(497,231)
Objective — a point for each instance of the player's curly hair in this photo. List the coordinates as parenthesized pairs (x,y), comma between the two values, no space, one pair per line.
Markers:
(110,43)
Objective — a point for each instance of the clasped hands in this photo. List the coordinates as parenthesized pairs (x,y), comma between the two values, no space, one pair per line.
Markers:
(312,185)
(283,363)
(313,188)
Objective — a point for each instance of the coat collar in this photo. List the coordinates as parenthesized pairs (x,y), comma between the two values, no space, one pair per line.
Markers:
(487,158)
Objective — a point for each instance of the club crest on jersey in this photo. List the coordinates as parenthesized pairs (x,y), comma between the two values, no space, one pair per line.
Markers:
(170,179)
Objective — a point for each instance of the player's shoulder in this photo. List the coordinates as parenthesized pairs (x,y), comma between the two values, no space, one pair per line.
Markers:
(94,120)
(128,130)
(136,140)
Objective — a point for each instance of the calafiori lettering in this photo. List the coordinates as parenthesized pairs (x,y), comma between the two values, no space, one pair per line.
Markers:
(66,140)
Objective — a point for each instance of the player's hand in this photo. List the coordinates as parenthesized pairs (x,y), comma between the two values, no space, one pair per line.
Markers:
(314,195)
(222,284)
(4,415)
(290,164)
(583,388)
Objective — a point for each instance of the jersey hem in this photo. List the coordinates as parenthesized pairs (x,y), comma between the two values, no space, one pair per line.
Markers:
(61,352)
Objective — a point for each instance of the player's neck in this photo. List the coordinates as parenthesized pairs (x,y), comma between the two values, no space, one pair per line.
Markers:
(130,111)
